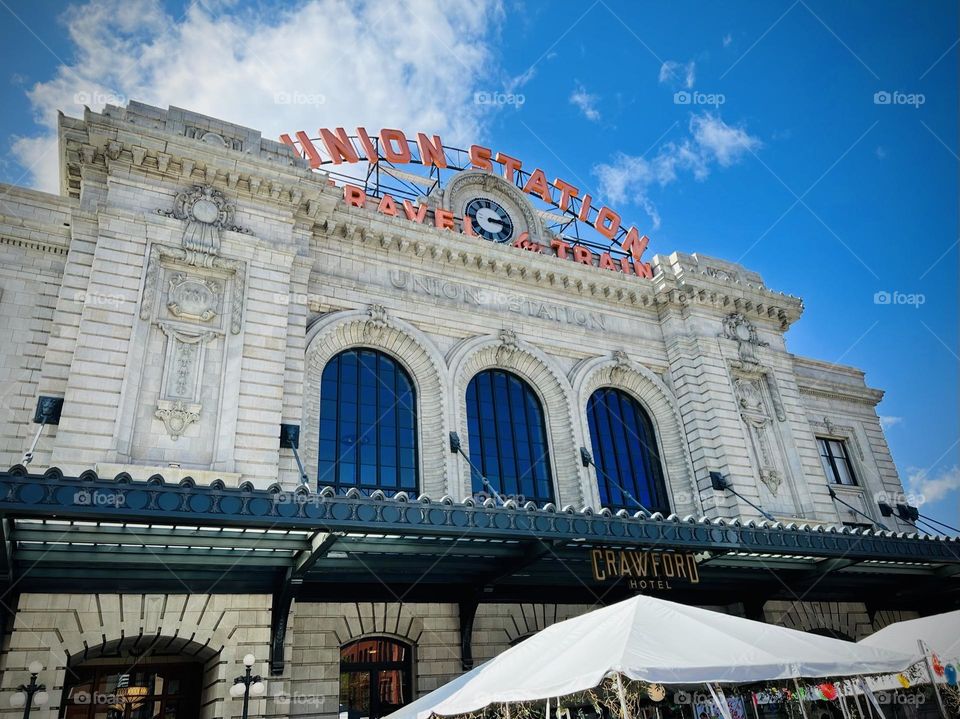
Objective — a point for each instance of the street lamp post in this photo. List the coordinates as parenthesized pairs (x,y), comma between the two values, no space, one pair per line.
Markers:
(248,684)
(29,694)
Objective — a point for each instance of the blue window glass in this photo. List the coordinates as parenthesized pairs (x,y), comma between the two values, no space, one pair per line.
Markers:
(626,454)
(368,420)
(508,437)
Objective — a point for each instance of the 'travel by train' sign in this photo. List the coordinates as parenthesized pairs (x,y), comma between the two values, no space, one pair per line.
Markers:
(644,569)
(336,147)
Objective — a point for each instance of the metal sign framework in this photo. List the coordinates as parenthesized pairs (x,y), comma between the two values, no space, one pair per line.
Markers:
(383,177)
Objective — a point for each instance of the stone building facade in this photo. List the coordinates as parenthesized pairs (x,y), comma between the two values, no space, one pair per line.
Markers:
(188,286)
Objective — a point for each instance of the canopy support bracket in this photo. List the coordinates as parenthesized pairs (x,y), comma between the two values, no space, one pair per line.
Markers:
(279,615)
(468,612)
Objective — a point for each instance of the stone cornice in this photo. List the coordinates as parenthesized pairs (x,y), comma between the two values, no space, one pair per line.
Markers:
(828,390)
(850,387)
(390,234)
(33,244)
(104,142)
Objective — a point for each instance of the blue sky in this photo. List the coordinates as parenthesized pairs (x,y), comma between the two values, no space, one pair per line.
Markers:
(784,158)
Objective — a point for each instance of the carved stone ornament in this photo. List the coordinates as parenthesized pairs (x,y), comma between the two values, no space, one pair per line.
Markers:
(621,366)
(161,253)
(176,416)
(194,298)
(750,396)
(772,479)
(207,213)
(753,409)
(718,274)
(373,328)
(738,328)
(508,346)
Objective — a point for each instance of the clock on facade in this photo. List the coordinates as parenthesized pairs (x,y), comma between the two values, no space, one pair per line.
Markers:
(489,219)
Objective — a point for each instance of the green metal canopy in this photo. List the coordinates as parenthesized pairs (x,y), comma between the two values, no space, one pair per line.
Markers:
(88,534)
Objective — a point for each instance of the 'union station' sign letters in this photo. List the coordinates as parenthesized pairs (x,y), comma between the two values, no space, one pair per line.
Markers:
(395,148)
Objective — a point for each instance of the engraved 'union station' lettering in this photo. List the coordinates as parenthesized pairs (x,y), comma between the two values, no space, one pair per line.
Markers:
(497,301)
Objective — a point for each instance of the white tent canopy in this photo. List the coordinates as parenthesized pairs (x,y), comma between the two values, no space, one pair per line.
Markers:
(941,633)
(653,640)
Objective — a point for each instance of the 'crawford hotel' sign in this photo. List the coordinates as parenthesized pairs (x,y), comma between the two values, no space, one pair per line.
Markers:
(371,409)
(645,569)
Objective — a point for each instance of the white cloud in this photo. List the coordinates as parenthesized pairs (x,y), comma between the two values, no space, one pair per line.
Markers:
(518,81)
(887,421)
(676,72)
(586,102)
(711,141)
(725,143)
(368,64)
(727,40)
(929,488)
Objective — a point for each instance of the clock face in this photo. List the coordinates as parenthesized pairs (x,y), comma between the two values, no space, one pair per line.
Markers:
(489,219)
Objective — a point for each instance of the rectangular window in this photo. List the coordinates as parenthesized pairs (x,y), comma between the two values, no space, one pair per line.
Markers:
(836,461)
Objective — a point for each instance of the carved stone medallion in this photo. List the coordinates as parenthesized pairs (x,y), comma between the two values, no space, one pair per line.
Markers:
(177,416)
(738,328)
(194,298)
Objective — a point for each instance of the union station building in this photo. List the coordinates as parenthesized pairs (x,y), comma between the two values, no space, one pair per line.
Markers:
(250,409)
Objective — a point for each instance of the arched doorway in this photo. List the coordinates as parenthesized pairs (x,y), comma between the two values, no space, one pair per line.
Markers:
(136,678)
(376,677)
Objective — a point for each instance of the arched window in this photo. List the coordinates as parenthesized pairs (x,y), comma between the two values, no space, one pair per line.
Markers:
(368,424)
(625,451)
(508,438)
(375,677)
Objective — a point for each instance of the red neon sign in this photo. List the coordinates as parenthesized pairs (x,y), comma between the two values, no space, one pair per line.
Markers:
(395,148)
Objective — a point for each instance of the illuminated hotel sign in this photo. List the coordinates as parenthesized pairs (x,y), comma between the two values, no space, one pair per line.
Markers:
(393,146)
(644,569)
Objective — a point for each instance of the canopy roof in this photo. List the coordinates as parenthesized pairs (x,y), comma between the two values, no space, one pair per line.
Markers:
(653,640)
(941,633)
(62,532)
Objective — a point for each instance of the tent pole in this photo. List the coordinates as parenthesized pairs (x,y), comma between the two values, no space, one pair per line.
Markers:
(753,701)
(622,696)
(933,678)
(803,709)
(843,705)
(856,699)
(873,704)
(720,699)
